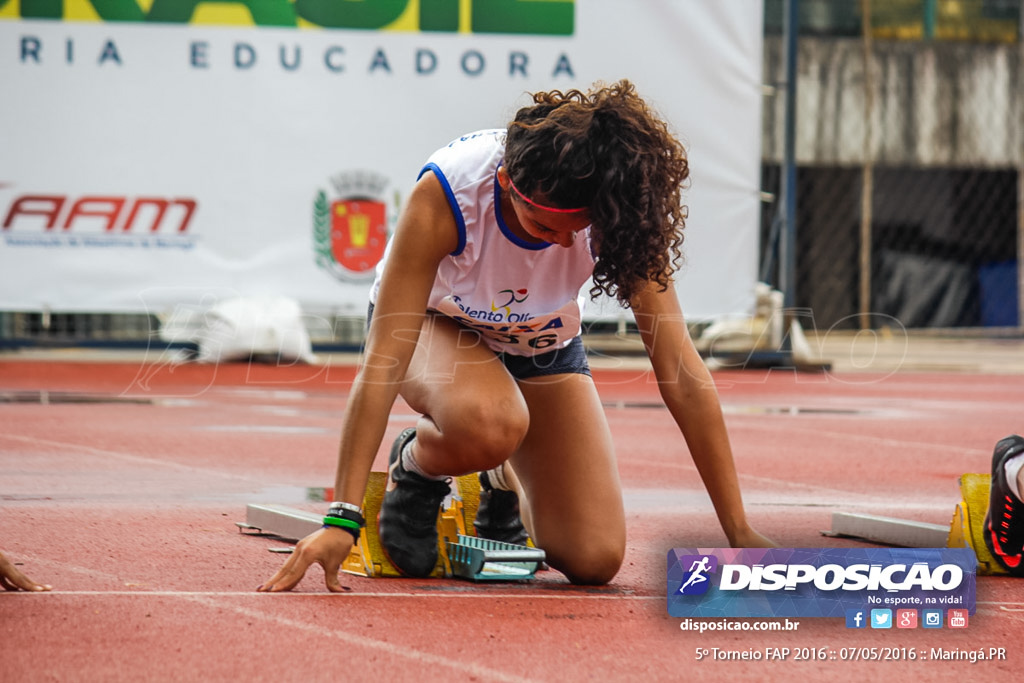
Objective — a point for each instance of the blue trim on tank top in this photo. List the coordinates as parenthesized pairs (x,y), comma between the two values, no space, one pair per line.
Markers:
(460,221)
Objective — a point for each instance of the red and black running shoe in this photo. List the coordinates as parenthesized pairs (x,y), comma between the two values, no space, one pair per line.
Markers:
(1004,523)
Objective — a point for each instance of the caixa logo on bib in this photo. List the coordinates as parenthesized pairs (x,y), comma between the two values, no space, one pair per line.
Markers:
(350,224)
(817,582)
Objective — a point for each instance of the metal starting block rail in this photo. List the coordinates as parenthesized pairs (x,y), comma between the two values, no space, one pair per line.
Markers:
(460,553)
(903,533)
(278,520)
(965,530)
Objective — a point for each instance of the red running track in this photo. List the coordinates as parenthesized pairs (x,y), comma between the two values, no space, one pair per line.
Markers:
(127,505)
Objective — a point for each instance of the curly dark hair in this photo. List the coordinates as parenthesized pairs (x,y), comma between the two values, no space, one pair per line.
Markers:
(607,151)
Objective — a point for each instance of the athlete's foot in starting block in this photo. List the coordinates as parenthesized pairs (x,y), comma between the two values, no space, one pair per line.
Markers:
(408,514)
(498,516)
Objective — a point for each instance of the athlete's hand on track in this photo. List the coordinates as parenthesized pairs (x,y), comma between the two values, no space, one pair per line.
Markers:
(326,547)
(13,580)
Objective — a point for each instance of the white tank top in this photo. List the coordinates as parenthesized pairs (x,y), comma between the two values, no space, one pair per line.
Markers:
(523,297)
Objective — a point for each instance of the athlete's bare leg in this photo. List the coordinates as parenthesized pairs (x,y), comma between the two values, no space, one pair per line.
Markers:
(571,495)
(473,415)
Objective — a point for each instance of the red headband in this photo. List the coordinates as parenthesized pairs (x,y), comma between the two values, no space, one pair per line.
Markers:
(541,206)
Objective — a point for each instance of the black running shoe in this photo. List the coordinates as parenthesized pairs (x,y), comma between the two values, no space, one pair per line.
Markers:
(408,515)
(1004,523)
(497,518)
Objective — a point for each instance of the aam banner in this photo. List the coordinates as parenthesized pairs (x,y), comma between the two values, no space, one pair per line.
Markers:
(159,153)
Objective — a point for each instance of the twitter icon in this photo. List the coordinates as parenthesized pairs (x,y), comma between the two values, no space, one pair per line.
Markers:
(881,618)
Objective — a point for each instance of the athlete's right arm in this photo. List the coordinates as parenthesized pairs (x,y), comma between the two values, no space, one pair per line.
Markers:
(425,234)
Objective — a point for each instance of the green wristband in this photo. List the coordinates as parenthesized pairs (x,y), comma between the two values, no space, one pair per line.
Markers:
(338,521)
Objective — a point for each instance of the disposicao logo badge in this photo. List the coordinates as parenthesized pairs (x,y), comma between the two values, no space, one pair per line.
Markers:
(697,579)
(865,585)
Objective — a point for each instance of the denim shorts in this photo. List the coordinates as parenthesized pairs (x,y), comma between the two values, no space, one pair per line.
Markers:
(570,359)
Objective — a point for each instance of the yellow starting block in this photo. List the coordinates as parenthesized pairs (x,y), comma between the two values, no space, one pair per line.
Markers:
(460,553)
(966,529)
(368,558)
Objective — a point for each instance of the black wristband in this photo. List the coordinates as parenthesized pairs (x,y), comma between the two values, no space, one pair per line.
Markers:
(354,532)
(351,515)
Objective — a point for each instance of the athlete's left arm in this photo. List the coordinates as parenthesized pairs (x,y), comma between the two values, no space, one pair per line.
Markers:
(692,399)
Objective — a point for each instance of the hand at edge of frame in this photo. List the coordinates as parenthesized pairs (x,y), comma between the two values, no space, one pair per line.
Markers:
(11,578)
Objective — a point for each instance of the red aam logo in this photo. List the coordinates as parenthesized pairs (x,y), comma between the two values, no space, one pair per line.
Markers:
(108,213)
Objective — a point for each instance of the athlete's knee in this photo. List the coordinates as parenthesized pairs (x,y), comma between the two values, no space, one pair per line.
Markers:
(593,566)
(501,431)
(490,429)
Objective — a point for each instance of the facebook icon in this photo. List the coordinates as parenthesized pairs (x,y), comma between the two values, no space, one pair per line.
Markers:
(856,618)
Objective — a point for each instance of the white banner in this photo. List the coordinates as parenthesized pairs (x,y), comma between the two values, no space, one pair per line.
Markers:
(163,153)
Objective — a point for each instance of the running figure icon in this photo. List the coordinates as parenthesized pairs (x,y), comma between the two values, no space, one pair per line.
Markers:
(697,573)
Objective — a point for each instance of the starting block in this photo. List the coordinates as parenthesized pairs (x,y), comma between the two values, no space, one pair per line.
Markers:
(482,559)
(460,552)
(965,530)
(968,526)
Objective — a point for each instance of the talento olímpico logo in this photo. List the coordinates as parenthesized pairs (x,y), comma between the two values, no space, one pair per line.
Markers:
(817,582)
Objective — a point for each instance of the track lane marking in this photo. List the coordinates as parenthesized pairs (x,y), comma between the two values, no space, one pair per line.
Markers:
(346,594)
(138,459)
(397,651)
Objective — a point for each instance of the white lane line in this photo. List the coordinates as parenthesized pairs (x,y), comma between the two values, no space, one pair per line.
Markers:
(874,440)
(1003,604)
(73,568)
(392,650)
(64,445)
(479,595)
(463,595)
(826,491)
